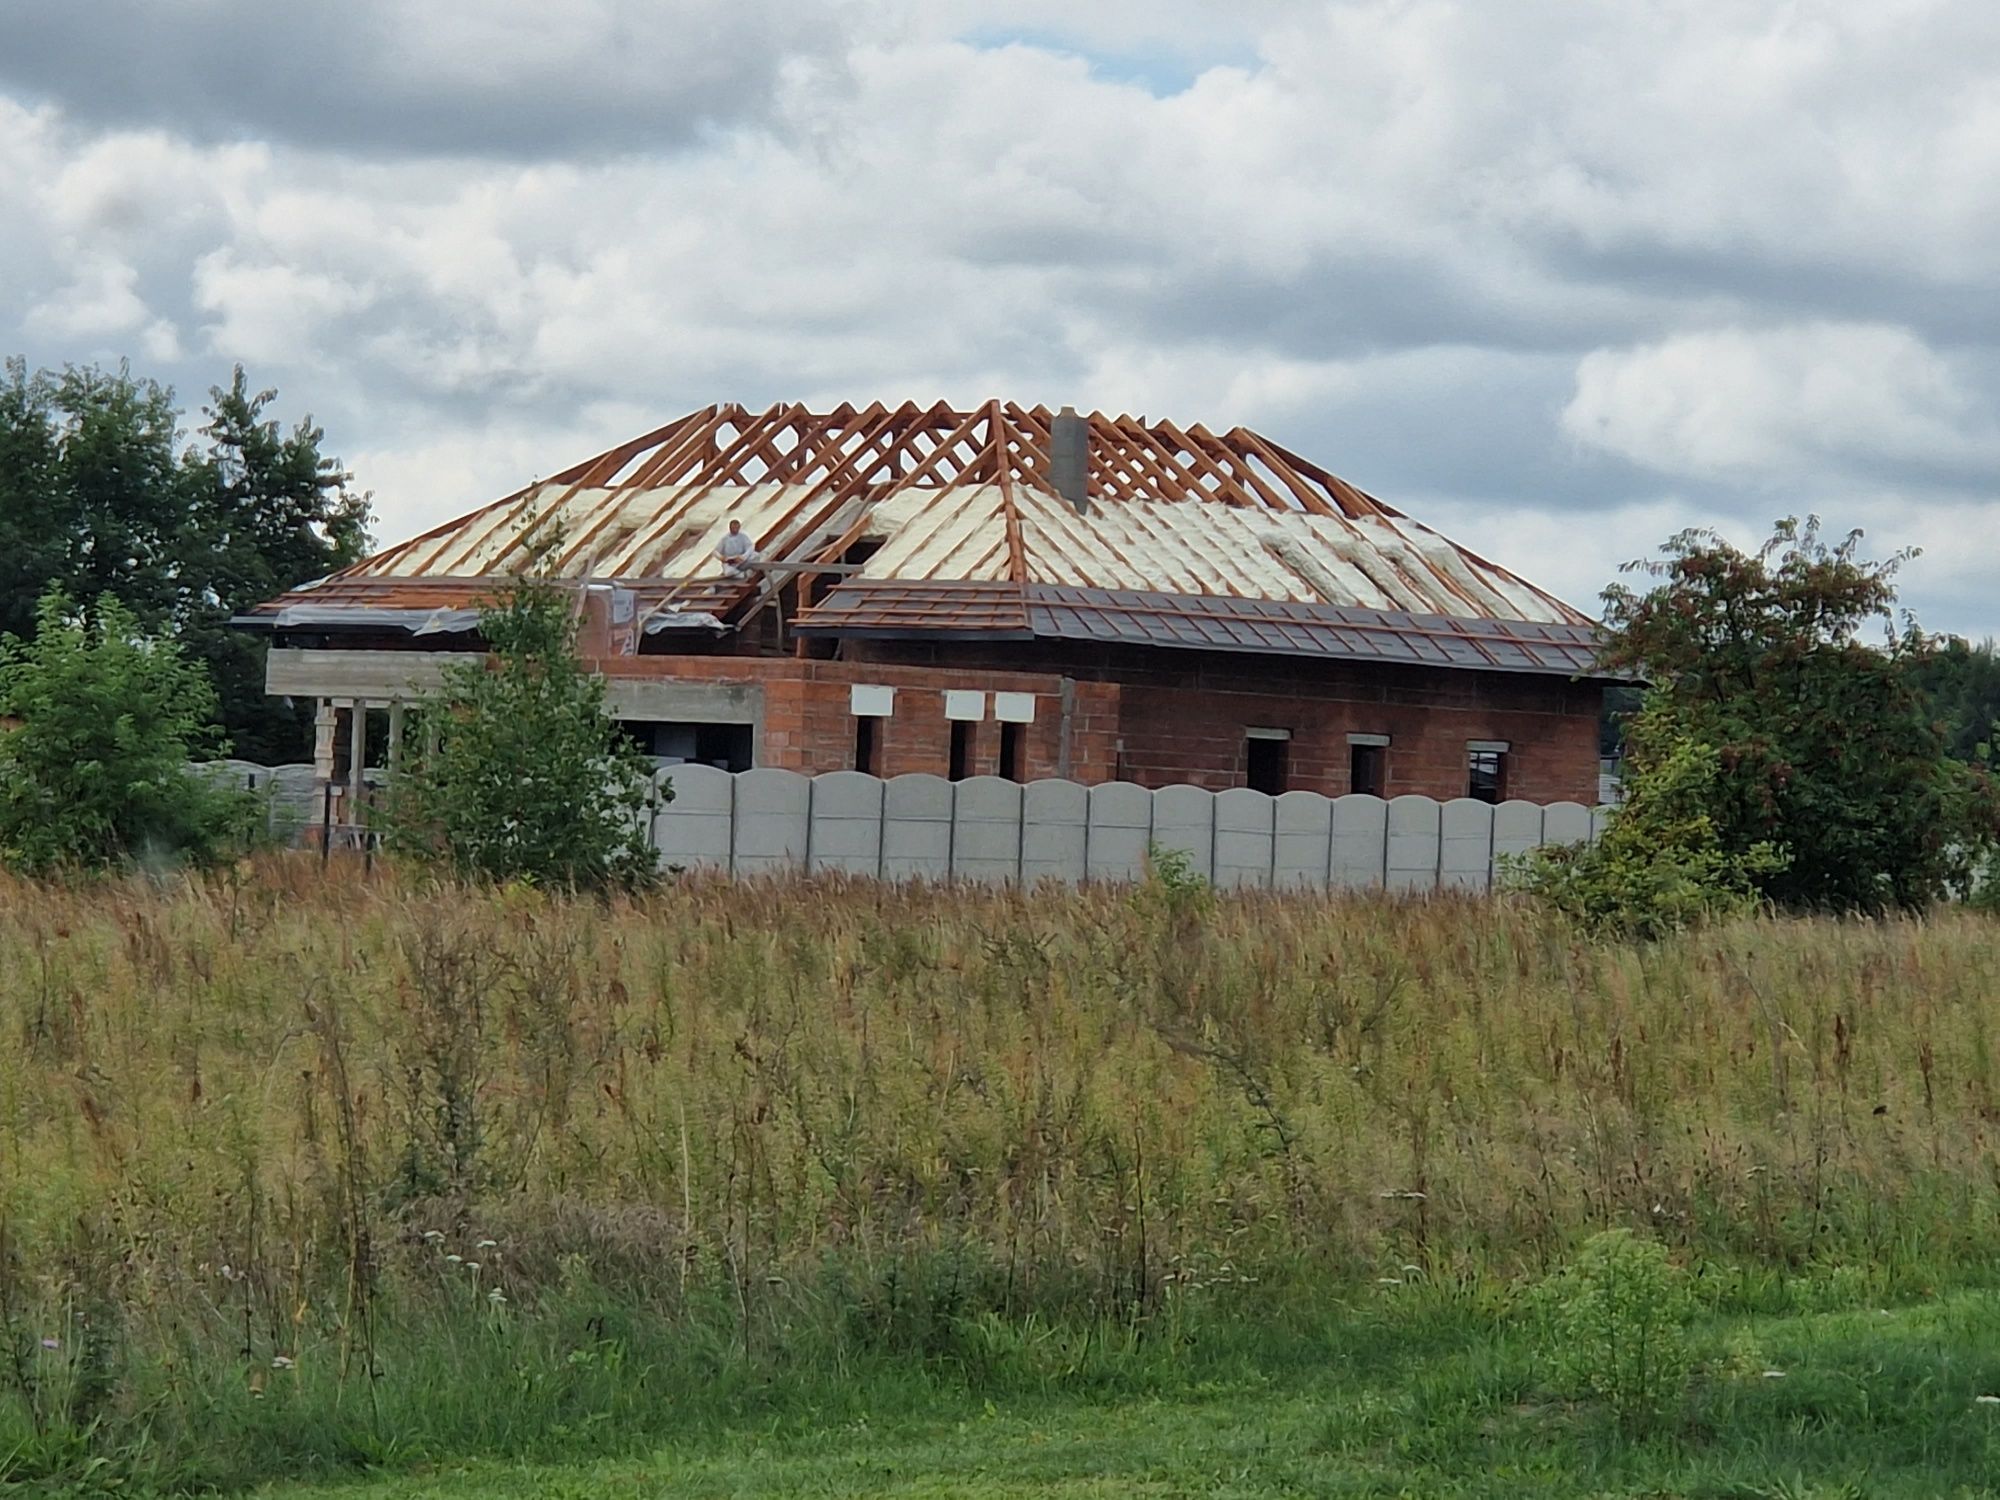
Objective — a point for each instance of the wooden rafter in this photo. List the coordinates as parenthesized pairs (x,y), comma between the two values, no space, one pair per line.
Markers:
(821,477)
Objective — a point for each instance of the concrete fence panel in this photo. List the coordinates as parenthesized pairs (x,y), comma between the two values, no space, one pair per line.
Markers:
(693,832)
(773,822)
(1565,823)
(1302,841)
(1055,831)
(1245,832)
(1465,845)
(767,821)
(916,828)
(237,775)
(986,830)
(1412,856)
(295,799)
(1184,820)
(1517,828)
(1600,819)
(846,824)
(292,793)
(1120,827)
(1360,841)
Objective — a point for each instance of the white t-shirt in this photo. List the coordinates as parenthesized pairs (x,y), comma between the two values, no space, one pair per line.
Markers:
(735,545)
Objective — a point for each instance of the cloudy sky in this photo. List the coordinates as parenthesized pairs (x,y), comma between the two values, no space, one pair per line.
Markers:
(1557,276)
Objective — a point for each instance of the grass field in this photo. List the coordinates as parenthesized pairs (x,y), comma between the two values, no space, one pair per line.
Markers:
(851,1189)
(1861,1403)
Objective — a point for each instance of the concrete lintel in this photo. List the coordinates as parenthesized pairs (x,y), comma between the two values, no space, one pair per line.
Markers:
(383,676)
(685,702)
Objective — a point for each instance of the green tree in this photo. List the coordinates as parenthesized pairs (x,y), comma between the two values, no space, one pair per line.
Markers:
(99,500)
(100,722)
(1831,775)
(1961,683)
(92,500)
(265,511)
(513,770)
(30,534)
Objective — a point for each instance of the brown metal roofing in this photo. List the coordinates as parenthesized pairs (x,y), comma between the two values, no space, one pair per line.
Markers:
(1204,622)
(946,497)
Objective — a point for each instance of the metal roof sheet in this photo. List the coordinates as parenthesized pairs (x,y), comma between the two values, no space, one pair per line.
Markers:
(1208,623)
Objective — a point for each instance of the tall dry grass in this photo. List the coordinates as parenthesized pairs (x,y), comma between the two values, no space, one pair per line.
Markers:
(294,1077)
(493,1167)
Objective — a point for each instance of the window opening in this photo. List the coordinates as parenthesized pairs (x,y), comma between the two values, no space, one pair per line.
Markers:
(1265,761)
(1486,774)
(728,747)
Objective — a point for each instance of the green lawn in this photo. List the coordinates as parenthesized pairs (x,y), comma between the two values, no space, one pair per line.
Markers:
(1869,1403)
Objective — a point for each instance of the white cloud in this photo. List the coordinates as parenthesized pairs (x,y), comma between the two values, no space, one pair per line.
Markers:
(271,312)
(98,300)
(1799,402)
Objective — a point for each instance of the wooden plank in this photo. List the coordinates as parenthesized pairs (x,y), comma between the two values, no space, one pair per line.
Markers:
(996,437)
(1315,503)
(1198,449)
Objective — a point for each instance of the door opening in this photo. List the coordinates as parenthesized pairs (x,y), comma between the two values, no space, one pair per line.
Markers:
(1266,757)
(1368,769)
(1010,751)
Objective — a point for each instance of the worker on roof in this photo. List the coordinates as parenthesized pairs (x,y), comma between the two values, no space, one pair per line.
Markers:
(737,553)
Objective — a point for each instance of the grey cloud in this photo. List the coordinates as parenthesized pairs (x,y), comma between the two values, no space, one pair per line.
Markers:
(1478,425)
(1746,282)
(522,80)
(1345,305)
(1392,246)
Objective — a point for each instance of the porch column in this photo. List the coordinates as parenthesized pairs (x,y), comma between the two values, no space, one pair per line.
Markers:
(357,756)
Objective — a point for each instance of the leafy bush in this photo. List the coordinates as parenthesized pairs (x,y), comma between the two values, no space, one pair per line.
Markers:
(1173,890)
(97,727)
(515,771)
(1617,1326)
(1660,864)
(1173,870)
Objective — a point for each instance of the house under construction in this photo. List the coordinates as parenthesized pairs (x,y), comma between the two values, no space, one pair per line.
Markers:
(994,591)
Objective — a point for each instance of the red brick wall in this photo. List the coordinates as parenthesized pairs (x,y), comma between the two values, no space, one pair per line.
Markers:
(1174,717)
(1174,736)
(808,725)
